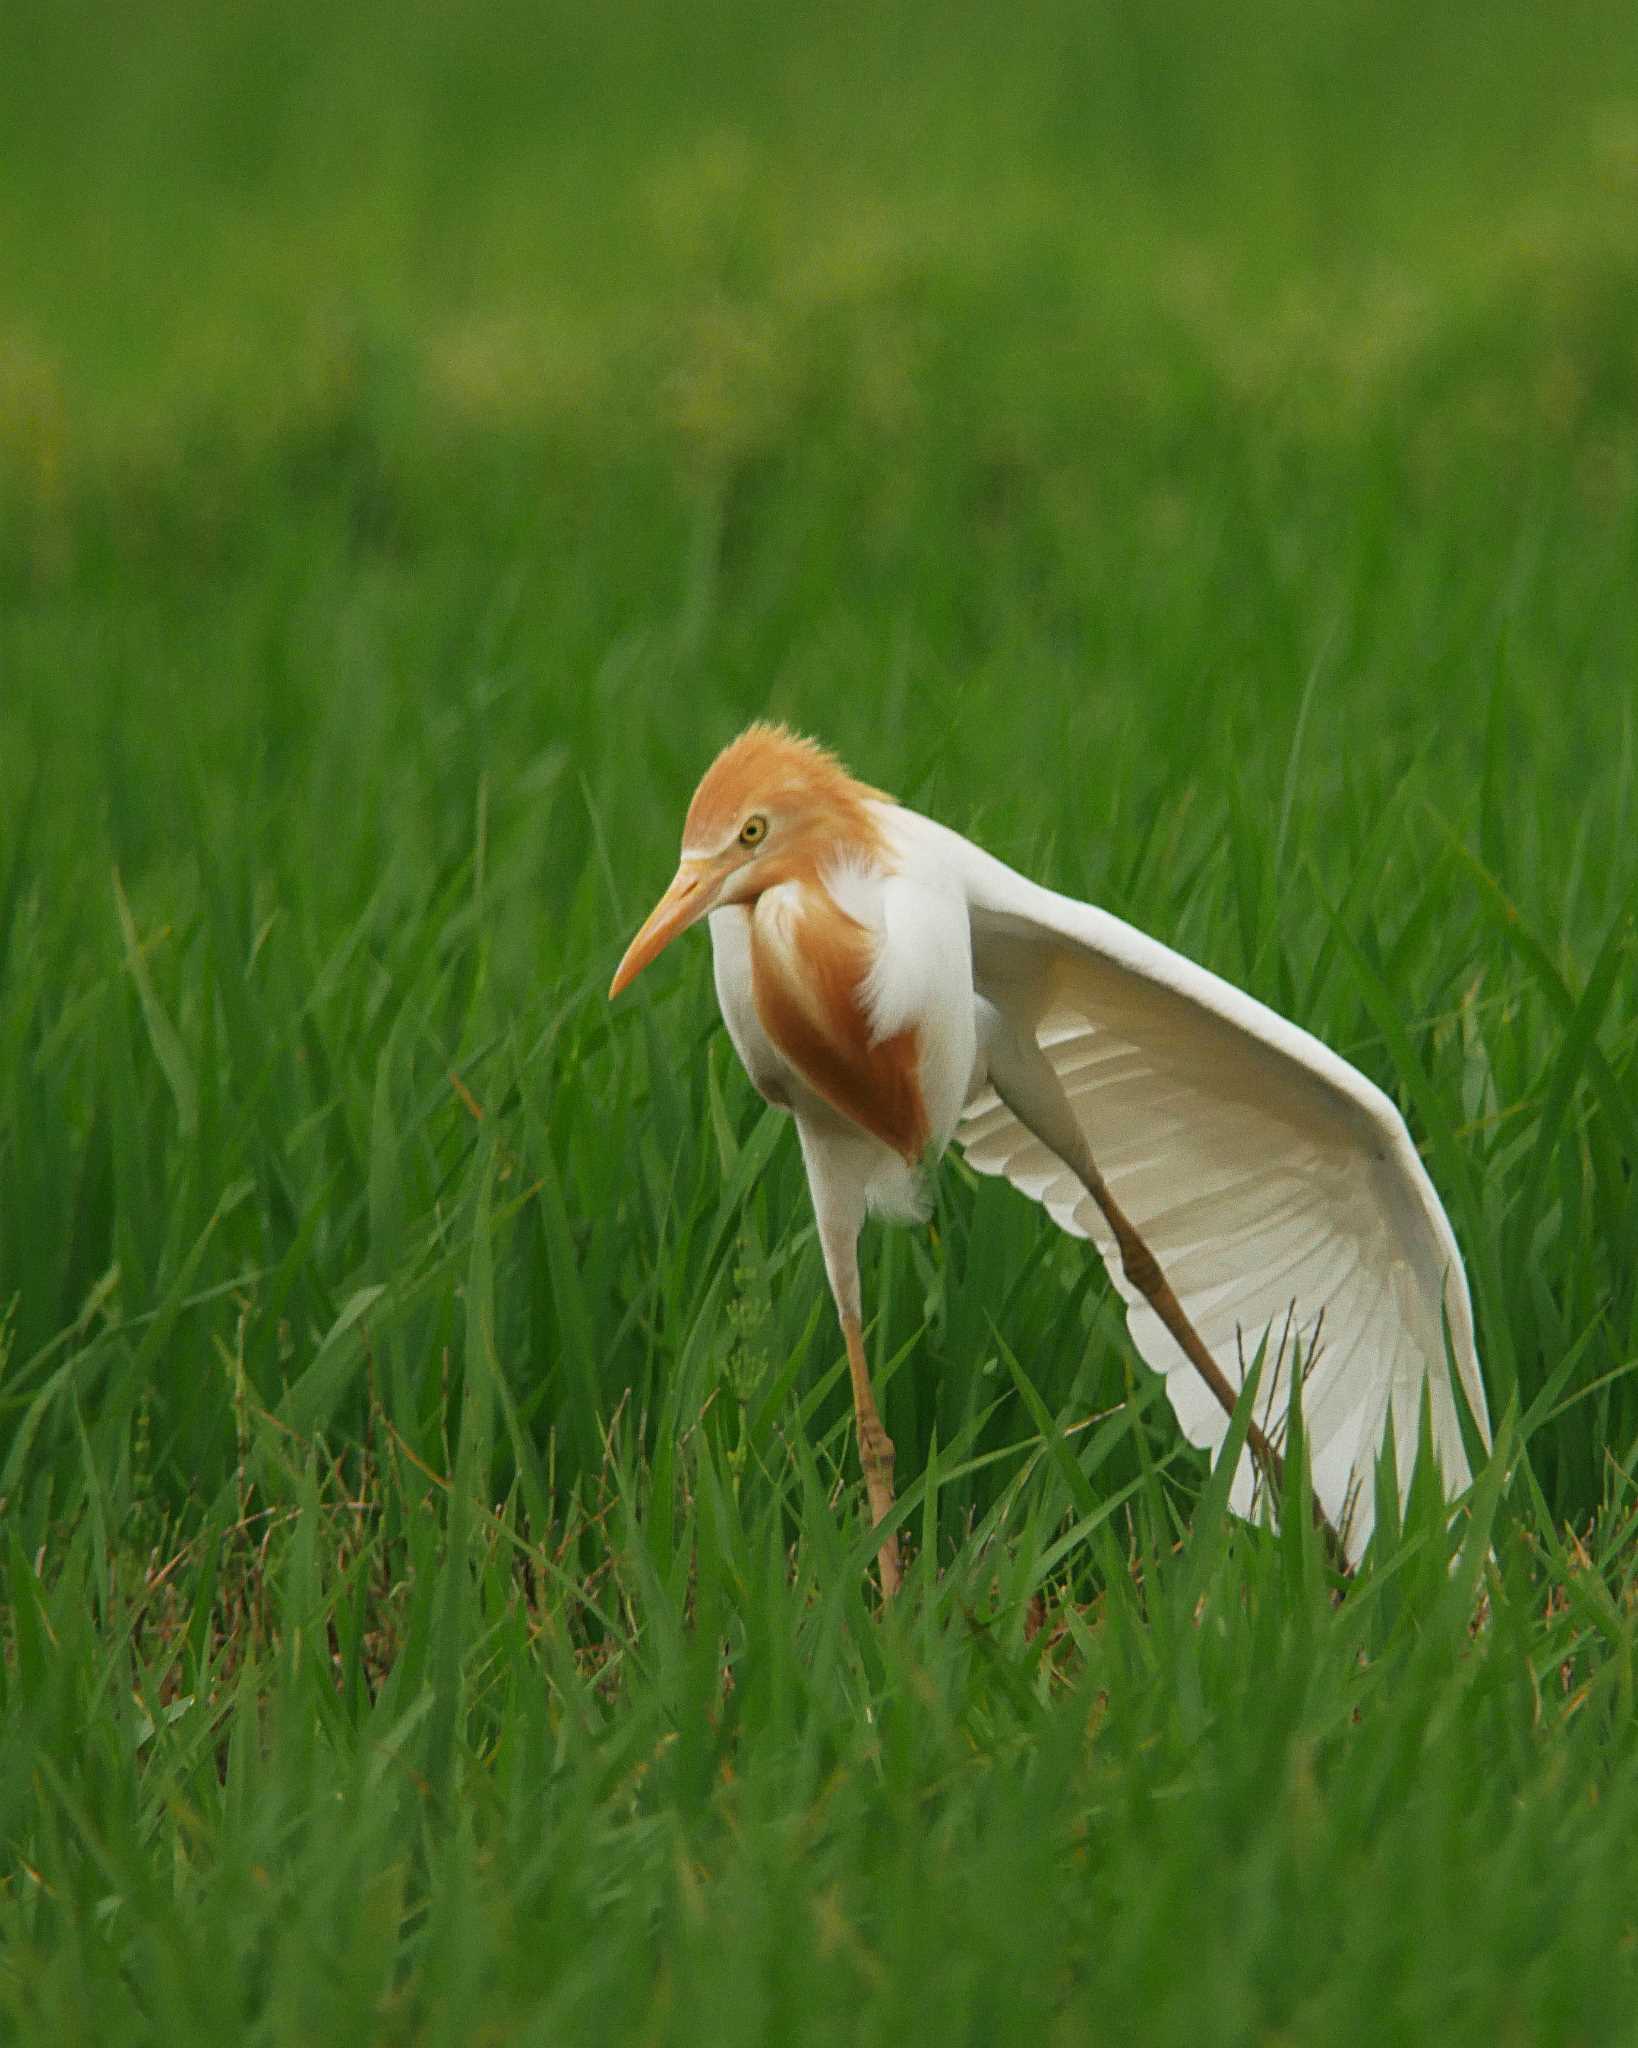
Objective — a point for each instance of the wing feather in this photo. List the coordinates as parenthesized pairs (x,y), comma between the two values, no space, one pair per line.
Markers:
(1275,1184)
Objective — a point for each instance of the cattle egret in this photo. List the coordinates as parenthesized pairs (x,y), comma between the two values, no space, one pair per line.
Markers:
(893,987)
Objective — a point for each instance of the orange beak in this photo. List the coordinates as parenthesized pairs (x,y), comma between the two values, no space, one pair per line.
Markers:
(692,893)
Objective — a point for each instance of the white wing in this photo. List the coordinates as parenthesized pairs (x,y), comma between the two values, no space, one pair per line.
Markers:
(1277,1187)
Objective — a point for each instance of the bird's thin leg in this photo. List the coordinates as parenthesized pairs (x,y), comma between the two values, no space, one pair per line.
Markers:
(838,1205)
(875,1452)
(1025,1081)
(1142,1268)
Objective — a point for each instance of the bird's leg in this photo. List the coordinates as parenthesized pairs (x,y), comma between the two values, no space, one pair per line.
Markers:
(875,1452)
(838,1205)
(1142,1268)
(1026,1083)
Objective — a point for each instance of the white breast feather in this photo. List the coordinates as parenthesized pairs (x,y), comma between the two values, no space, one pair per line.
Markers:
(922,974)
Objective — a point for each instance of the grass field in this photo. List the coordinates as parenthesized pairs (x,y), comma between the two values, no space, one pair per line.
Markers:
(1198,461)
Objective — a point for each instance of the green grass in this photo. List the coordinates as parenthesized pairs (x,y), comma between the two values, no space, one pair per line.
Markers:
(1202,464)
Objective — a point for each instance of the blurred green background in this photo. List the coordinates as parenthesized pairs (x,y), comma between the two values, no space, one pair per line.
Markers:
(854,342)
(1031,283)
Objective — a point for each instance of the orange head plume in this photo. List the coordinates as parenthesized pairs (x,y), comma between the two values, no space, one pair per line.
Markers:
(771,806)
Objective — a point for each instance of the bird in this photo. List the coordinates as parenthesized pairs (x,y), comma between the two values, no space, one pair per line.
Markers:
(1255,1198)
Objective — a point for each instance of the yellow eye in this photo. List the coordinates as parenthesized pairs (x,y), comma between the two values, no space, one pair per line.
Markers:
(753,830)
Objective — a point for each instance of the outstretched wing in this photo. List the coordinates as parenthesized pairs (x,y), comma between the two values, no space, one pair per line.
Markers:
(1277,1187)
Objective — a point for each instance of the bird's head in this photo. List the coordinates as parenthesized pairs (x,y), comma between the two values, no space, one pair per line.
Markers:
(770,808)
